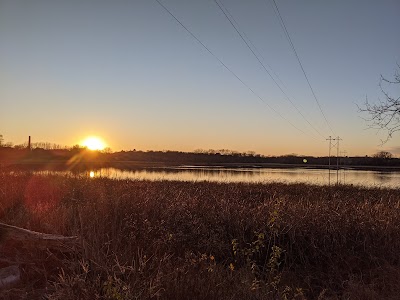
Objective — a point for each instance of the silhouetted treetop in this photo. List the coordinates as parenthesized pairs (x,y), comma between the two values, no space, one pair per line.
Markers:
(385,115)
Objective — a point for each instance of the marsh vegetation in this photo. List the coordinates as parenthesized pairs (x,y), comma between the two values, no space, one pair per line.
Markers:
(201,240)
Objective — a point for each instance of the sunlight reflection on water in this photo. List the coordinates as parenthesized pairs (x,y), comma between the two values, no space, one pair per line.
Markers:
(251,175)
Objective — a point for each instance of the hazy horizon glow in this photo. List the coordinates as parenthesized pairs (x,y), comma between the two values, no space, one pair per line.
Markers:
(127,72)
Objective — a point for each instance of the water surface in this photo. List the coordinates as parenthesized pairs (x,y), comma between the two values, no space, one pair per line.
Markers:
(250,175)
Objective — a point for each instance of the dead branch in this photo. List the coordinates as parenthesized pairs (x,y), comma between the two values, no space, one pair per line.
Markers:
(38,239)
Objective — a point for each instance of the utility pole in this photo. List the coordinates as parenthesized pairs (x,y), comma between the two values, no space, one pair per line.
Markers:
(338,139)
(331,145)
(343,154)
(329,160)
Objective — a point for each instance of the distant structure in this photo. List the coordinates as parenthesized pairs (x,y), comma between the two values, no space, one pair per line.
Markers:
(29,143)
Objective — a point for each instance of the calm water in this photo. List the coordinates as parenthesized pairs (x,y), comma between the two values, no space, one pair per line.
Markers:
(313,176)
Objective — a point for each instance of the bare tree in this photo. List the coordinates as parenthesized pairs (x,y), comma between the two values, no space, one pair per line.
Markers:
(385,115)
(383,155)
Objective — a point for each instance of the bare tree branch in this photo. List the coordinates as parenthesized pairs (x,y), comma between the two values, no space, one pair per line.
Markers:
(384,115)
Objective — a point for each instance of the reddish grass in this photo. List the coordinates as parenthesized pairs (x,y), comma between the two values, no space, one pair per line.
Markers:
(185,240)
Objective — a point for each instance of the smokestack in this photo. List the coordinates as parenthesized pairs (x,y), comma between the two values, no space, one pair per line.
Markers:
(29,143)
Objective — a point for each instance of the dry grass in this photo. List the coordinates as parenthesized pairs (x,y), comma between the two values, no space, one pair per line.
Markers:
(184,240)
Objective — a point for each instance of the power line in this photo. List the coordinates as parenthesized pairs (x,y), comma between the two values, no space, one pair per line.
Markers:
(282,23)
(227,68)
(252,44)
(232,20)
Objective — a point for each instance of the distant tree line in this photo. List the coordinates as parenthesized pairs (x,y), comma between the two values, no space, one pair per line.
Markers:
(79,154)
(42,152)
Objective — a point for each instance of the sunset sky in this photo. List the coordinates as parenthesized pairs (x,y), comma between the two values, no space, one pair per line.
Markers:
(128,72)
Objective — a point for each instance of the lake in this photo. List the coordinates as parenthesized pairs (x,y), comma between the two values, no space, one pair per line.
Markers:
(249,175)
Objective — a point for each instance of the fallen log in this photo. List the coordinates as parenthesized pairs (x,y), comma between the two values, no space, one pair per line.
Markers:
(38,239)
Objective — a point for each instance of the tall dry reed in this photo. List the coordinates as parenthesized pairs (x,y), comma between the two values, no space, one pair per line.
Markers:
(185,240)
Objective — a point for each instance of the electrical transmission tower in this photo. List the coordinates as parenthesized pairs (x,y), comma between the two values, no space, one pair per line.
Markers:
(333,143)
(343,154)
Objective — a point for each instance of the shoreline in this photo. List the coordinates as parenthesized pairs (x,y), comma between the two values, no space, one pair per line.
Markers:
(132,165)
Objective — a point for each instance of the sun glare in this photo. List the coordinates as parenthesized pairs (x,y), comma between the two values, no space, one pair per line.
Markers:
(94,143)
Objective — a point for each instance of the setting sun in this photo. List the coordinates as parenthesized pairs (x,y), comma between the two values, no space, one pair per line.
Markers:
(94,143)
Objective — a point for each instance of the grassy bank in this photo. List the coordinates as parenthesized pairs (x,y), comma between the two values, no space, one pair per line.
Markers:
(183,240)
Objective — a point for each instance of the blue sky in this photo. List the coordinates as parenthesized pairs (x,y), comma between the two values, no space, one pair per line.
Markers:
(128,72)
